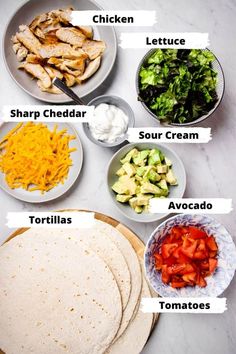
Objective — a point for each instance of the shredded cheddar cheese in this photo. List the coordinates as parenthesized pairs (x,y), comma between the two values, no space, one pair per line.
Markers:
(35,158)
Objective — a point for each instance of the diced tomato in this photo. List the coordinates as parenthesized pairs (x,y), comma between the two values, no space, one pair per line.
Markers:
(178,284)
(212,264)
(188,268)
(176,252)
(211,243)
(164,275)
(212,254)
(189,251)
(200,255)
(177,232)
(158,261)
(183,259)
(171,260)
(168,249)
(190,277)
(201,245)
(204,265)
(201,282)
(175,268)
(197,233)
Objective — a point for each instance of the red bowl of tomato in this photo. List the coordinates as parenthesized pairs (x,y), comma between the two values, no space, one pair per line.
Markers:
(190,255)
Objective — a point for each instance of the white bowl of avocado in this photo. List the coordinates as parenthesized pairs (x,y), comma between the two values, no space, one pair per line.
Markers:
(141,171)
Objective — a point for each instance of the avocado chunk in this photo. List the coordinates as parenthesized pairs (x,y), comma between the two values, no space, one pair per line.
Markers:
(120,172)
(163,185)
(168,162)
(133,202)
(154,157)
(138,209)
(129,156)
(170,178)
(123,198)
(120,188)
(153,176)
(143,199)
(129,183)
(129,169)
(141,170)
(148,187)
(140,158)
(162,169)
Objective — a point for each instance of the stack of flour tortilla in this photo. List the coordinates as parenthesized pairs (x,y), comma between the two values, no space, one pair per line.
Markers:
(74,291)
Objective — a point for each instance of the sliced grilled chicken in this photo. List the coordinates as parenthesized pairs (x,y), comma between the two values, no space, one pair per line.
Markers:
(14,39)
(52,72)
(93,48)
(64,15)
(51,89)
(16,47)
(36,70)
(21,53)
(59,50)
(87,31)
(91,69)
(70,79)
(37,21)
(74,67)
(33,59)
(28,39)
(71,35)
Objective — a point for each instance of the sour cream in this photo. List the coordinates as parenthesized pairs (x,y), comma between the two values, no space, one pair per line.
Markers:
(108,123)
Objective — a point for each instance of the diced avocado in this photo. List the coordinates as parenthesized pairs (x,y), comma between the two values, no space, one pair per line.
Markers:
(141,170)
(148,187)
(138,209)
(170,178)
(163,185)
(153,176)
(162,168)
(123,198)
(163,176)
(129,156)
(154,157)
(133,202)
(143,199)
(146,208)
(138,189)
(129,184)
(129,169)
(120,187)
(120,172)
(168,162)
(140,158)
(138,178)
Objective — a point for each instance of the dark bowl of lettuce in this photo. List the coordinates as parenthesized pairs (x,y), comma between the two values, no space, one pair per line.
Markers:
(180,86)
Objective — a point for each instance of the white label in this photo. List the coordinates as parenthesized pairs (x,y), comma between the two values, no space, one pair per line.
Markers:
(28,113)
(51,220)
(113,18)
(164,40)
(169,135)
(184,305)
(190,205)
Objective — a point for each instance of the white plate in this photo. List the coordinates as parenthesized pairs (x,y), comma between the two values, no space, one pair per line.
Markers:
(56,192)
(24,15)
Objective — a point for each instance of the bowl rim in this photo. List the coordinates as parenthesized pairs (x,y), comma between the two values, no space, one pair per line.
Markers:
(65,99)
(154,232)
(153,219)
(197,121)
(131,122)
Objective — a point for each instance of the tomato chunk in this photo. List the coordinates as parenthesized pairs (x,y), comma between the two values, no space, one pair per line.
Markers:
(168,249)
(211,243)
(212,264)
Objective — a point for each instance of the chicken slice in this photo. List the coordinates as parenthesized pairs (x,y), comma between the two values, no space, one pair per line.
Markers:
(70,79)
(37,21)
(91,69)
(33,59)
(28,39)
(36,70)
(93,48)
(74,67)
(59,50)
(21,53)
(52,72)
(87,31)
(64,15)
(14,39)
(16,47)
(71,35)
(51,89)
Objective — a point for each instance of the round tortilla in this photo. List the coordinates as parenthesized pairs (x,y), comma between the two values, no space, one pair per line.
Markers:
(136,334)
(56,296)
(134,267)
(110,253)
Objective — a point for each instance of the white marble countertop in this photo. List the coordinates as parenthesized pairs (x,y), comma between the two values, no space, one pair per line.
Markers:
(210,167)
